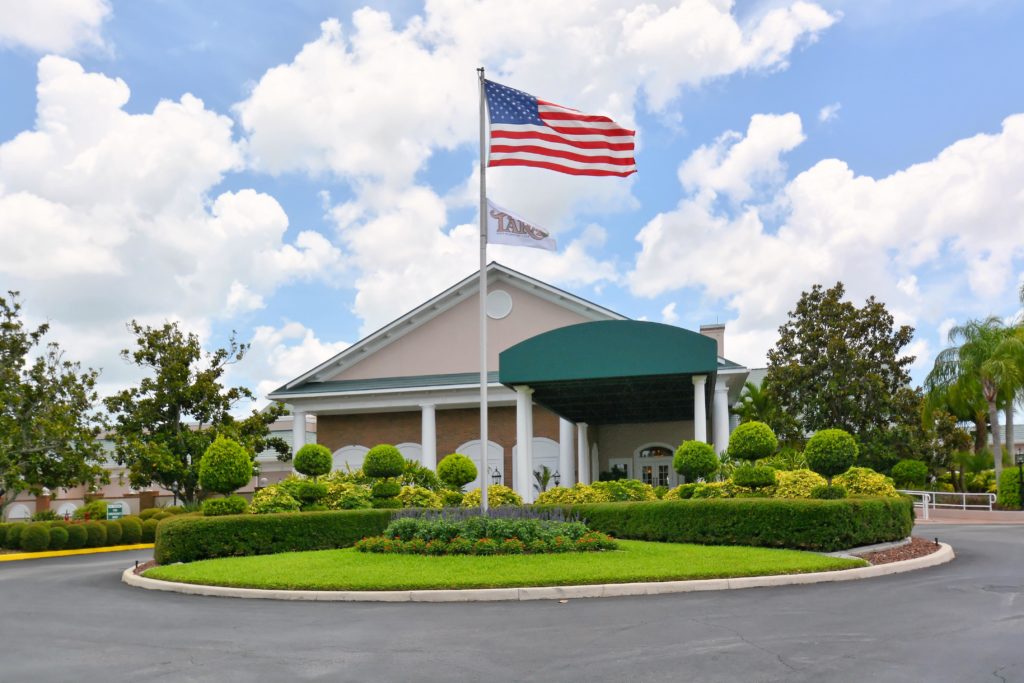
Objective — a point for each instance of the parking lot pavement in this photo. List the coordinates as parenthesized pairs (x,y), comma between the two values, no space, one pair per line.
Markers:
(71,619)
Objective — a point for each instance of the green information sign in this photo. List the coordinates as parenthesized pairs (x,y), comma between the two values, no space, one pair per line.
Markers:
(116,510)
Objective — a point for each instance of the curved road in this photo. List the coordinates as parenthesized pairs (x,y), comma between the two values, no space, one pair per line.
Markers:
(71,619)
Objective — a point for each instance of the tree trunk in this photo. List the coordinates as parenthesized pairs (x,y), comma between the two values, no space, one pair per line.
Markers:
(1009,440)
(997,447)
(980,434)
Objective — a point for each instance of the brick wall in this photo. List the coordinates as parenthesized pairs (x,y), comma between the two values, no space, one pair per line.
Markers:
(454,428)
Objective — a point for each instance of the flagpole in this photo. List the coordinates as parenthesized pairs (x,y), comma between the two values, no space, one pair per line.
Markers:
(484,443)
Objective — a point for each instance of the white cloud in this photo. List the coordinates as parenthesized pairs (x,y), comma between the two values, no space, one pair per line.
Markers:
(370,102)
(957,217)
(736,162)
(109,216)
(60,26)
(669,315)
(829,112)
(277,355)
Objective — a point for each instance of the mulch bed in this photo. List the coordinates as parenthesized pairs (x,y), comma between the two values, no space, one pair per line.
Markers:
(918,547)
(143,566)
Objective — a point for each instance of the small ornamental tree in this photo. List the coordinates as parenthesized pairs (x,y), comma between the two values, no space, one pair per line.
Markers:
(313,460)
(225,466)
(752,441)
(695,460)
(910,473)
(831,452)
(383,461)
(456,470)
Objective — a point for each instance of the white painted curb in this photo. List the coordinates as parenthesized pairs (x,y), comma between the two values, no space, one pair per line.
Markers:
(943,555)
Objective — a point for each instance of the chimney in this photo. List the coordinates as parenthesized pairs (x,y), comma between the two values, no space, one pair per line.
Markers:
(717,332)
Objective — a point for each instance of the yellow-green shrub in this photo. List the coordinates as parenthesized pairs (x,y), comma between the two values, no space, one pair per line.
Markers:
(624,489)
(419,497)
(796,483)
(580,493)
(343,495)
(864,481)
(497,496)
(719,489)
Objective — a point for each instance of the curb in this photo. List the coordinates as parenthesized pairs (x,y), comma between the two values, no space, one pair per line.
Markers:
(943,555)
(68,553)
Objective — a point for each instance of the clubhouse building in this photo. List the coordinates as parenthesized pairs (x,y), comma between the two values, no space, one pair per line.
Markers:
(573,387)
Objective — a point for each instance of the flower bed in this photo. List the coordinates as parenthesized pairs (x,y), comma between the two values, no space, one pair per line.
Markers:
(439,534)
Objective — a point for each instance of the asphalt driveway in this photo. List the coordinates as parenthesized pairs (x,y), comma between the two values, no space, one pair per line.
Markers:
(70,619)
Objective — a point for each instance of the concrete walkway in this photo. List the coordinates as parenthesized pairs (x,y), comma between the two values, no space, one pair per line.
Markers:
(954,516)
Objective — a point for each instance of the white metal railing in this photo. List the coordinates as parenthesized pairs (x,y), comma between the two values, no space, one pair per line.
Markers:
(931,499)
(926,499)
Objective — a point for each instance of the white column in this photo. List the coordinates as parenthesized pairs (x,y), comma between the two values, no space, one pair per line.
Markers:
(720,416)
(700,414)
(298,430)
(428,436)
(521,472)
(582,453)
(530,492)
(566,469)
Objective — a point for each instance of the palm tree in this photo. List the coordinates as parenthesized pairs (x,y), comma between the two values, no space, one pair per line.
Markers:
(962,400)
(990,353)
(756,404)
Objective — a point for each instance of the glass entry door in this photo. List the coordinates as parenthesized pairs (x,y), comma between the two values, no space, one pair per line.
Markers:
(654,466)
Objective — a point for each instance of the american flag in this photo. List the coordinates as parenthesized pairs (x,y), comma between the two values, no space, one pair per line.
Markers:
(526,131)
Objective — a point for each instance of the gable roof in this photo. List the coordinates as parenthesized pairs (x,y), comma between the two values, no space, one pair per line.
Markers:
(433,307)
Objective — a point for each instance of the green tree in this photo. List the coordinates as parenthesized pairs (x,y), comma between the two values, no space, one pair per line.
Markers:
(990,355)
(837,365)
(48,419)
(163,425)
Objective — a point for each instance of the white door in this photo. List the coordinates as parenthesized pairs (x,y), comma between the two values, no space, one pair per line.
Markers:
(352,456)
(495,459)
(545,454)
(411,451)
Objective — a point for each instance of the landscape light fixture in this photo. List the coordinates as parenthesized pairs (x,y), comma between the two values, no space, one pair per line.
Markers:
(496,476)
(557,478)
(1020,476)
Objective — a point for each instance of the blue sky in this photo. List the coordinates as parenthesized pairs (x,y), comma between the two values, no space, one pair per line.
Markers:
(325,184)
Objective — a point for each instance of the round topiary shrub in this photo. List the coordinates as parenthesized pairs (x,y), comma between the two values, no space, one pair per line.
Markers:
(77,537)
(232,505)
(96,534)
(831,452)
(383,461)
(752,441)
(34,538)
(456,470)
(313,460)
(113,532)
(131,530)
(147,513)
(388,488)
(58,537)
(828,492)
(149,530)
(13,541)
(225,466)
(695,460)
(910,474)
(306,491)
(754,476)
(387,503)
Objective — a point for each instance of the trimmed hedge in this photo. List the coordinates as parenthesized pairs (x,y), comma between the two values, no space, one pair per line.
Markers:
(149,530)
(1009,489)
(199,538)
(77,537)
(823,525)
(58,537)
(114,532)
(131,530)
(35,537)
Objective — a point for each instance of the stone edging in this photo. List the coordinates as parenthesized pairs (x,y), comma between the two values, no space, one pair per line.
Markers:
(941,556)
(15,557)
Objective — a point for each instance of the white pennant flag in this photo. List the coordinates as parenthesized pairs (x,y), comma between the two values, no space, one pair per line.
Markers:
(504,227)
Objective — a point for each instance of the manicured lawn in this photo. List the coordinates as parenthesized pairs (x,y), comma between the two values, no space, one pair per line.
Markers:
(635,561)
